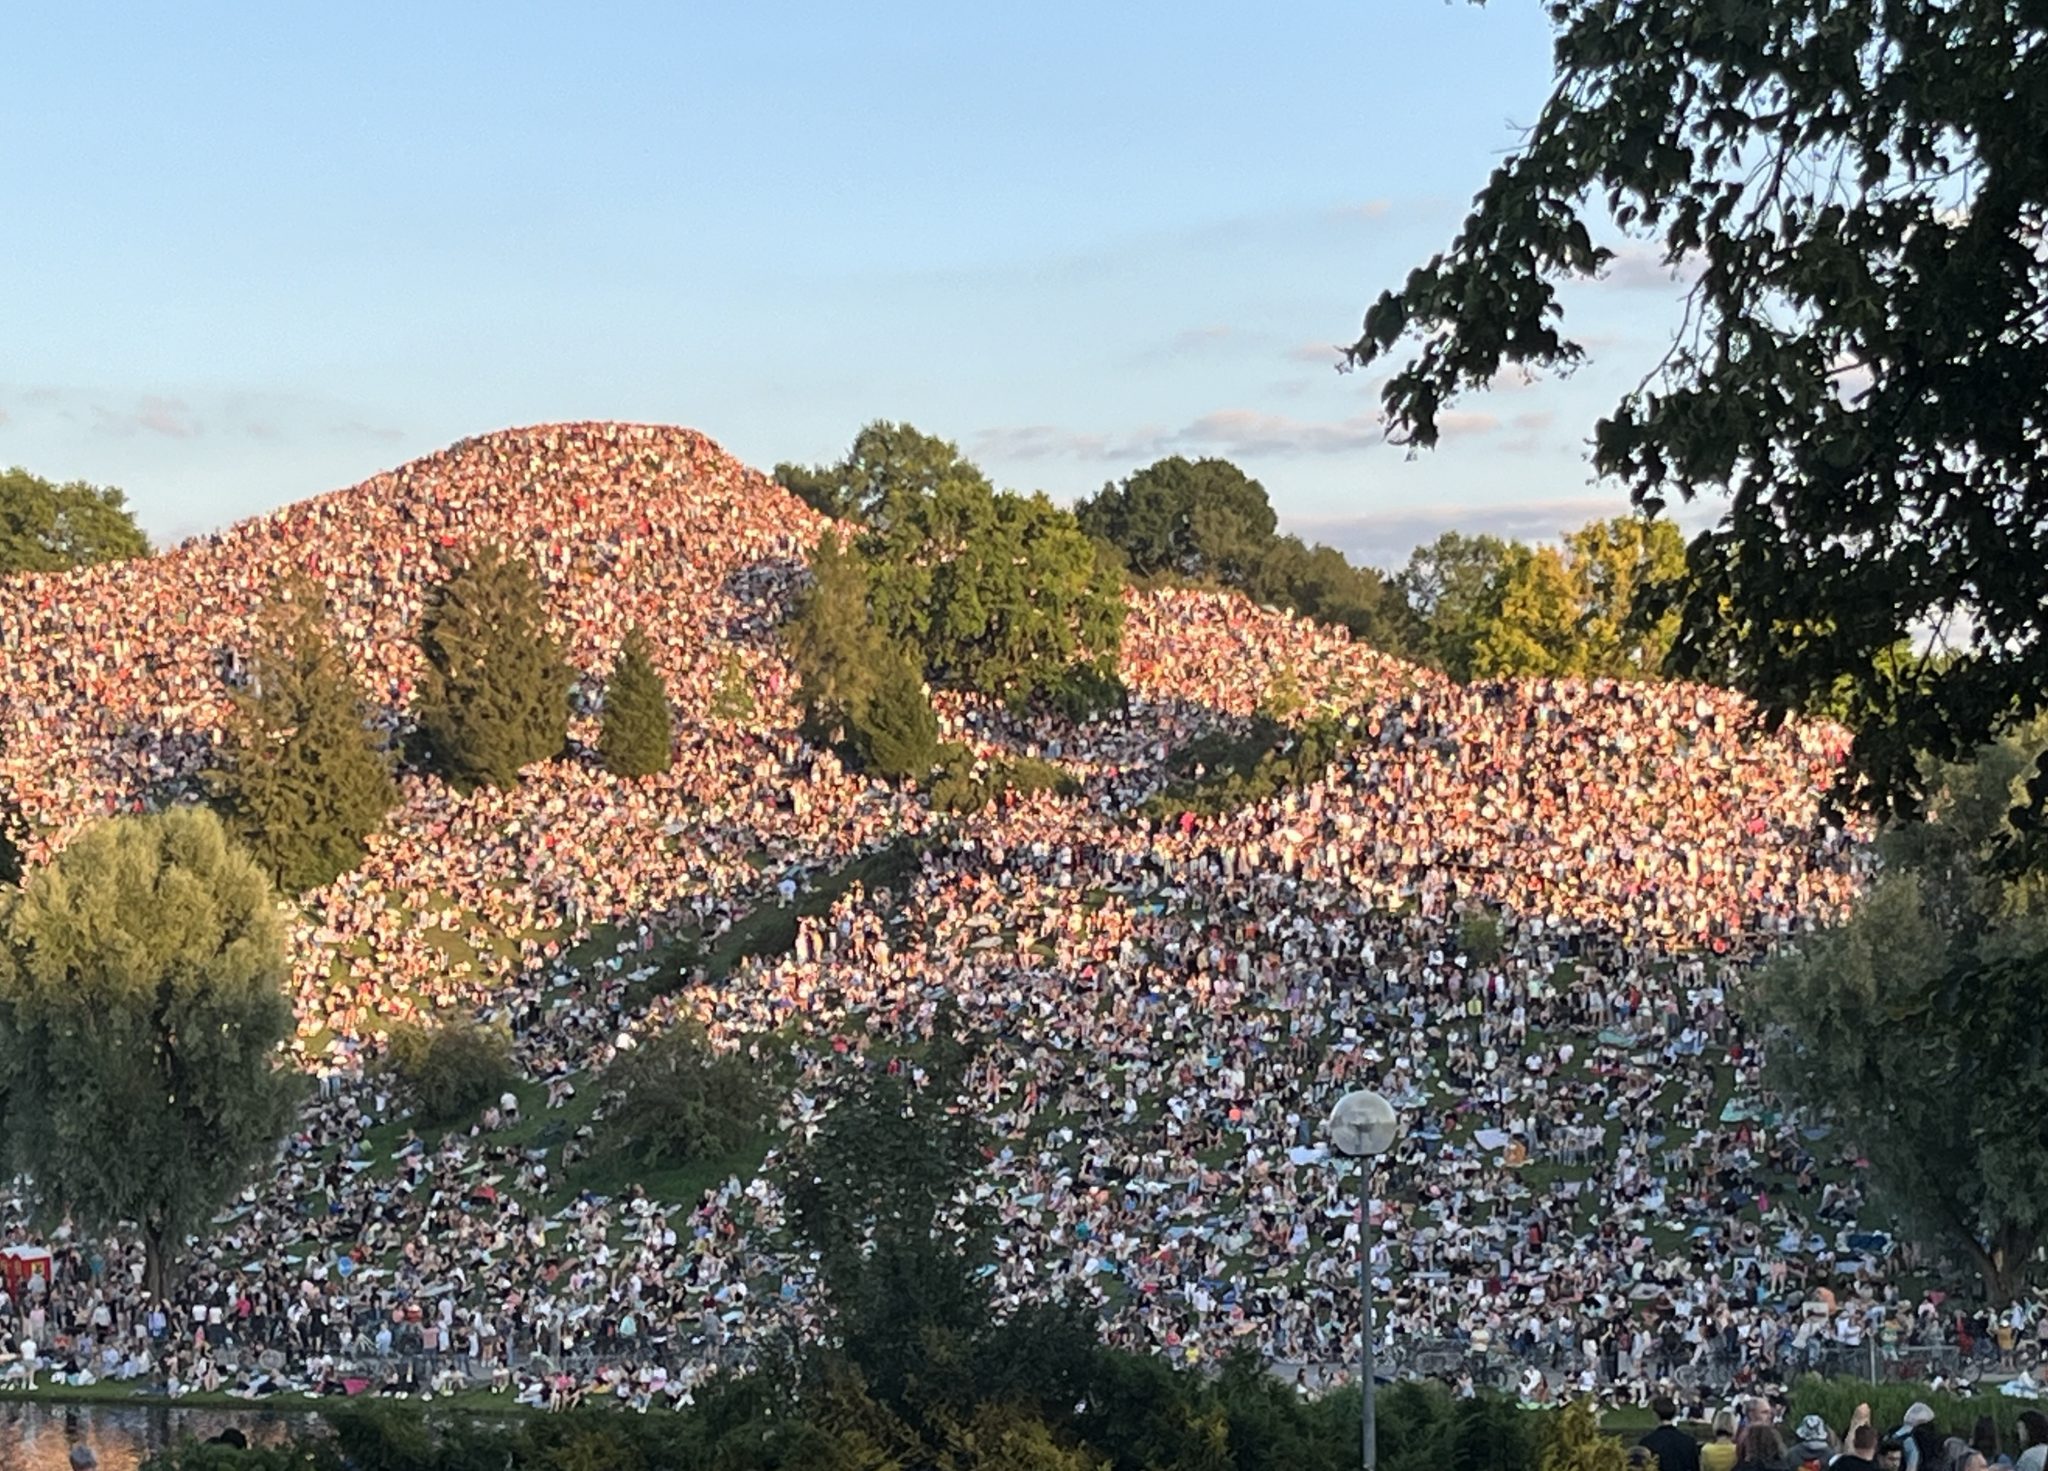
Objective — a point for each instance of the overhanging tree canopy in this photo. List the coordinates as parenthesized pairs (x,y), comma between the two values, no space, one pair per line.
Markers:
(1862,191)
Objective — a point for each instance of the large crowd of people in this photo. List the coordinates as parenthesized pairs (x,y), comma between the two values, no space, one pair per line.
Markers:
(1590,1183)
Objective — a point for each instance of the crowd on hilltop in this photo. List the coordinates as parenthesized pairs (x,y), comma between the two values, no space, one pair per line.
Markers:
(1590,1179)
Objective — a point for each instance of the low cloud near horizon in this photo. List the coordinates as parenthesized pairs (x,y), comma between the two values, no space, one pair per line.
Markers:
(1384,539)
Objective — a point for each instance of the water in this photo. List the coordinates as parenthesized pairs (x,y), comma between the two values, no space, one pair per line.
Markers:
(39,1437)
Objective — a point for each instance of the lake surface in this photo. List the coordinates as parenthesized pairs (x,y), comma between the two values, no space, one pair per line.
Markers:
(39,1437)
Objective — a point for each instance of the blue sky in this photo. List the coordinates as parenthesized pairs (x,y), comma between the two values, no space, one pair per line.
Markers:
(255,252)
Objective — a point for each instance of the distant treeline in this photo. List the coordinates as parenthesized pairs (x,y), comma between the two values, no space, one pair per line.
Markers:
(1472,606)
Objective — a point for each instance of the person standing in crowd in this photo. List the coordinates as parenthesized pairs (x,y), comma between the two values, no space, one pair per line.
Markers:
(1673,1448)
(1764,1450)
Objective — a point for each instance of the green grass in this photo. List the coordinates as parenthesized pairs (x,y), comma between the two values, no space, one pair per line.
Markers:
(769,929)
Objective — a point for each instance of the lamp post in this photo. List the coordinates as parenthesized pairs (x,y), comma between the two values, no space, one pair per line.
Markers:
(1362,1128)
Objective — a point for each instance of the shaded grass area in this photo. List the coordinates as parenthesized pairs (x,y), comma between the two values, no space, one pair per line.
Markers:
(765,932)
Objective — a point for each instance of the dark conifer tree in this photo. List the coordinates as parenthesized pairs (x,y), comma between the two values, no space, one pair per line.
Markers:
(494,693)
(638,734)
(303,781)
(10,840)
(895,729)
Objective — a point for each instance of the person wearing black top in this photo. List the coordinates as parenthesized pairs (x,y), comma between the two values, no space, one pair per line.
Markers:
(1860,1454)
(1673,1448)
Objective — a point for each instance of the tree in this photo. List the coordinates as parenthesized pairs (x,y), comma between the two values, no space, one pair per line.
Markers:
(1574,1442)
(1453,588)
(1915,1026)
(638,734)
(873,1193)
(991,591)
(997,592)
(895,732)
(1533,633)
(671,1100)
(451,1069)
(494,691)
(302,781)
(1575,610)
(1206,520)
(1613,563)
(1188,518)
(1860,195)
(46,527)
(1319,582)
(885,461)
(834,645)
(141,1012)
(733,700)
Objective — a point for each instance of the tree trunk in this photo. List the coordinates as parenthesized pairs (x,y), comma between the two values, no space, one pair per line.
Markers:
(2003,1263)
(156,1265)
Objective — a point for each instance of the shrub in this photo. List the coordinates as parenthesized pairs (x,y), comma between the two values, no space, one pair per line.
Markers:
(1479,937)
(670,1099)
(451,1070)
(1219,773)
(960,787)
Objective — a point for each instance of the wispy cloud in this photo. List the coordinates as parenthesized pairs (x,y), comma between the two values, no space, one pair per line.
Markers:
(1252,432)
(1316,354)
(1050,442)
(260,415)
(1638,267)
(1245,432)
(1384,538)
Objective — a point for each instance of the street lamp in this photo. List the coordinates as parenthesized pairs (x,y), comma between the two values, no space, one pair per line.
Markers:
(1362,1127)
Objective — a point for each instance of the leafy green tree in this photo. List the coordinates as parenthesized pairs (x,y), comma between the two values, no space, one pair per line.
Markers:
(451,1069)
(1915,1026)
(1614,563)
(637,737)
(142,1006)
(302,780)
(1859,196)
(886,461)
(494,693)
(1319,582)
(998,592)
(671,1100)
(1206,520)
(1453,588)
(1186,518)
(994,592)
(1577,610)
(46,527)
(1534,631)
